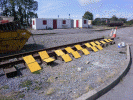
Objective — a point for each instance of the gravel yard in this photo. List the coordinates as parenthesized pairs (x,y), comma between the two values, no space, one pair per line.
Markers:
(60,80)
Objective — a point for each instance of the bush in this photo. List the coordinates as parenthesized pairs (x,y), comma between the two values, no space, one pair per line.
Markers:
(49,28)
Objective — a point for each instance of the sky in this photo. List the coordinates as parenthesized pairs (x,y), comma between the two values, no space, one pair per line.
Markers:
(77,8)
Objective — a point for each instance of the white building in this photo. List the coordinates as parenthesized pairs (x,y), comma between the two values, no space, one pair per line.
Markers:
(81,23)
(54,23)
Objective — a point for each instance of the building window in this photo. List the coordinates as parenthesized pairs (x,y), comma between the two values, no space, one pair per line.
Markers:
(84,21)
(33,22)
(44,22)
(64,21)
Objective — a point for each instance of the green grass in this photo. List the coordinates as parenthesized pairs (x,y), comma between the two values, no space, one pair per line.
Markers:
(50,79)
(6,98)
(26,83)
(36,72)
(37,88)
(5,87)
(21,95)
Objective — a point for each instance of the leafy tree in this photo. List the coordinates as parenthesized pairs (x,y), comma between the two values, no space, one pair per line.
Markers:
(88,15)
(19,9)
(130,22)
(123,19)
(114,18)
(99,21)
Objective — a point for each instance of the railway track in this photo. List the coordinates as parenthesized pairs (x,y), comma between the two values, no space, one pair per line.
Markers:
(8,62)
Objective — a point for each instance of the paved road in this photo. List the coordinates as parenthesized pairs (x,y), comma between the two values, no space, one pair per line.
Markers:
(124,90)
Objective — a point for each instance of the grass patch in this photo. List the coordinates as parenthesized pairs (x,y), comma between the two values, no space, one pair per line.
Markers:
(5,87)
(59,73)
(37,88)
(6,98)
(73,72)
(89,88)
(50,91)
(36,72)
(67,74)
(73,66)
(62,81)
(26,83)
(111,75)
(106,71)
(76,95)
(99,79)
(50,79)
(21,95)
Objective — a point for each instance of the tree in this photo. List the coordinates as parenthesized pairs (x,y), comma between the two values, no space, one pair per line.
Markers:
(88,15)
(114,18)
(19,9)
(123,19)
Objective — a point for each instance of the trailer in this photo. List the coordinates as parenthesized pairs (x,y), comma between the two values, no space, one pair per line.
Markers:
(53,23)
(81,23)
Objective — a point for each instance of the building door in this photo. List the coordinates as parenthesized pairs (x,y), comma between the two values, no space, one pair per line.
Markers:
(54,24)
(72,23)
(77,23)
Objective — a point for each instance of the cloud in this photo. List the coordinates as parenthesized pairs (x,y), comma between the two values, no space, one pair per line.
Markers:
(97,15)
(55,5)
(86,2)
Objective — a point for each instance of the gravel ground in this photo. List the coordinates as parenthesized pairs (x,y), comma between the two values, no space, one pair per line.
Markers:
(65,81)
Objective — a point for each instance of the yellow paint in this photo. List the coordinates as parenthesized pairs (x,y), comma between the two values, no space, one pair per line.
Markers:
(43,54)
(48,60)
(88,45)
(66,58)
(15,40)
(94,49)
(31,63)
(59,52)
(34,67)
(99,47)
(110,40)
(45,57)
(69,50)
(106,40)
(103,42)
(92,43)
(78,47)
(85,51)
(97,42)
(29,59)
(76,54)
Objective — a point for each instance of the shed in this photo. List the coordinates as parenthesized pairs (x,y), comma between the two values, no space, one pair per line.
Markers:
(81,23)
(54,23)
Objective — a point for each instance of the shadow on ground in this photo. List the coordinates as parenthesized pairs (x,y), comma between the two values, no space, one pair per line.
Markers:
(26,48)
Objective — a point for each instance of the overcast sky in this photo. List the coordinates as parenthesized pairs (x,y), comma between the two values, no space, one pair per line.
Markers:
(77,8)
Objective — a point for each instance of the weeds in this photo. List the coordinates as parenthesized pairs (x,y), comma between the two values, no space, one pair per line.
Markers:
(26,83)
(89,88)
(37,88)
(21,95)
(99,79)
(50,79)
(36,72)
(5,87)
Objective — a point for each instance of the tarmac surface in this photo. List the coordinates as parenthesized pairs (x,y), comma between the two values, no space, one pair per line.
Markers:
(124,90)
